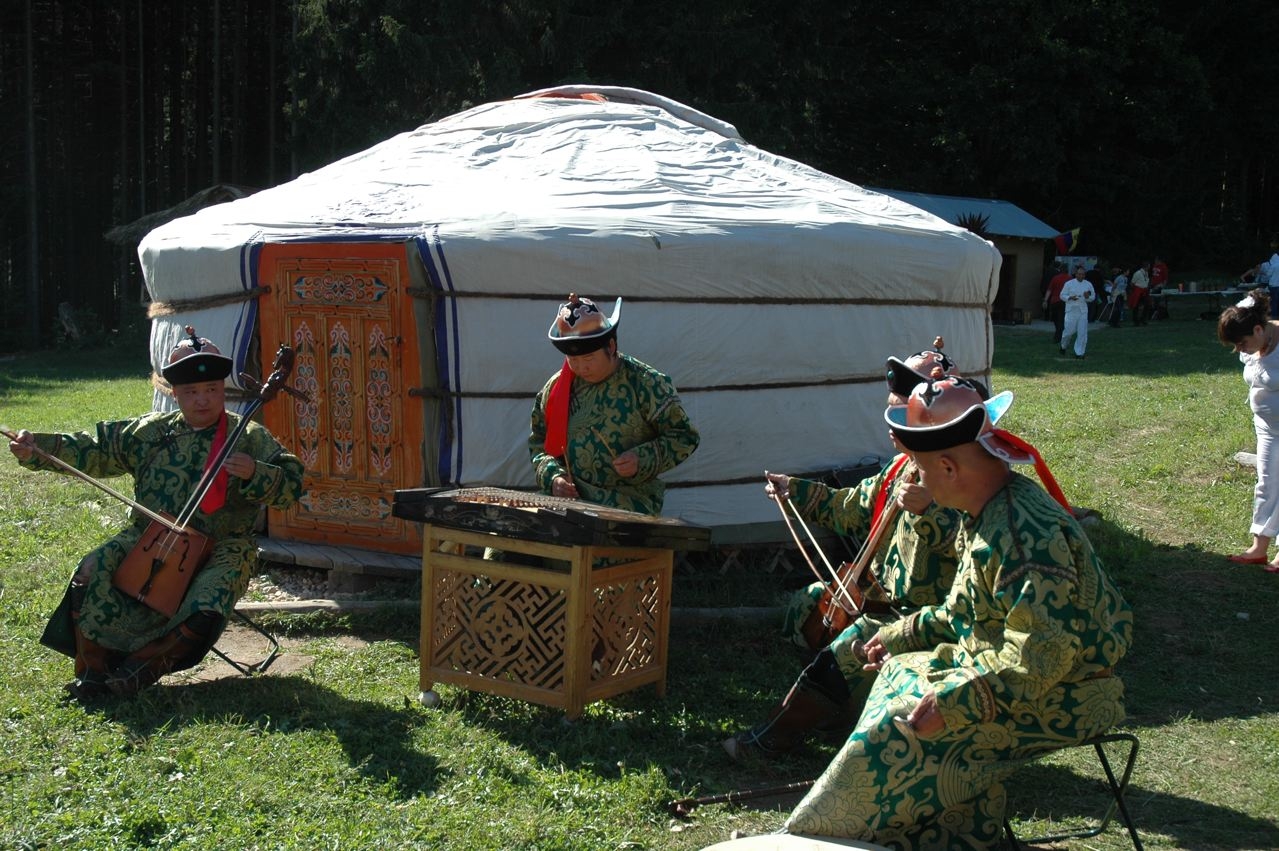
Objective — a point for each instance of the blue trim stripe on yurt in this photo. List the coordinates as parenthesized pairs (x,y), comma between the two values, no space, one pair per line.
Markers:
(448,353)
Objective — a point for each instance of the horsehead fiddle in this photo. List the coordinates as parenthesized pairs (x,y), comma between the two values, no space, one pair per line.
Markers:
(843,597)
(842,600)
(158,570)
(834,612)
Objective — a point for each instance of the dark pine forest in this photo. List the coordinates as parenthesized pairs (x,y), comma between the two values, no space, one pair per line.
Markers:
(1150,125)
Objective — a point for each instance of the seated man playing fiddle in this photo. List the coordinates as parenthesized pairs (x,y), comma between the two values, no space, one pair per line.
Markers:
(121,645)
(912,566)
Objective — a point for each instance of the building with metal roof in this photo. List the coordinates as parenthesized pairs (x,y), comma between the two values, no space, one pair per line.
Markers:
(1022,240)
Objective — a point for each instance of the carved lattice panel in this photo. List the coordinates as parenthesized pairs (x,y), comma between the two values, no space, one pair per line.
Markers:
(561,625)
(502,629)
(625,626)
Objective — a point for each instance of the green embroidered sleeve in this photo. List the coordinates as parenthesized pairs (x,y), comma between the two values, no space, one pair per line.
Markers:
(102,455)
(916,563)
(167,459)
(668,437)
(846,510)
(278,476)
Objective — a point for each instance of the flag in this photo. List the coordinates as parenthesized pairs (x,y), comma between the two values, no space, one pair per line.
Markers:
(1067,242)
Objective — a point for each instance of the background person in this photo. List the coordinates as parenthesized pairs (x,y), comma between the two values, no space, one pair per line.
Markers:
(119,644)
(1248,329)
(1139,295)
(605,426)
(1118,295)
(1252,276)
(1159,277)
(1053,304)
(1100,286)
(1077,295)
(1272,278)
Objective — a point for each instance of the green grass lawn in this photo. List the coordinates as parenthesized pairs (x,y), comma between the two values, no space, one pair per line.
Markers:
(341,755)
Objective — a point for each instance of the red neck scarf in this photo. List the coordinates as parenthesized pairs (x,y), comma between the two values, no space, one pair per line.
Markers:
(215,496)
(556,442)
(1045,475)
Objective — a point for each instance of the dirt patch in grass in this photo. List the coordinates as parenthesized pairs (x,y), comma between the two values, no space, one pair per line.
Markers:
(247,647)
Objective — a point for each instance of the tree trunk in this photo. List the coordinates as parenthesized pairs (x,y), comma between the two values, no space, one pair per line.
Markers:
(33,219)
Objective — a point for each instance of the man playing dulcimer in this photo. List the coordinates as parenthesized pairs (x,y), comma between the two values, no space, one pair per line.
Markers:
(912,566)
(606,425)
(121,645)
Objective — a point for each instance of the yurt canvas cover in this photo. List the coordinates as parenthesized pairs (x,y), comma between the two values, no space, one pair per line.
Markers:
(416,281)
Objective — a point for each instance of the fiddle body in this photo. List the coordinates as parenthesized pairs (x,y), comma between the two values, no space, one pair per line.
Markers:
(834,613)
(844,599)
(158,570)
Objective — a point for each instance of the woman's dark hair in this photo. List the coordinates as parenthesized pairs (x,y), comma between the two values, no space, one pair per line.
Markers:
(1239,320)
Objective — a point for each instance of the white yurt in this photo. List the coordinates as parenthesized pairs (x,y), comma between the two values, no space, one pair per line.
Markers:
(416,280)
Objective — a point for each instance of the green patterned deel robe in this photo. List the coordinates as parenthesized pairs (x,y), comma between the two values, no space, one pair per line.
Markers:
(1020,657)
(635,408)
(914,566)
(166,459)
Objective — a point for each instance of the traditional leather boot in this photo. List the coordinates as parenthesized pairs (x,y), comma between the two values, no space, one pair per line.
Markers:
(178,648)
(817,701)
(92,660)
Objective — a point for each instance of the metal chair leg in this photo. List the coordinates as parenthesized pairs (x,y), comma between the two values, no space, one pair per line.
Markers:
(249,670)
(1117,789)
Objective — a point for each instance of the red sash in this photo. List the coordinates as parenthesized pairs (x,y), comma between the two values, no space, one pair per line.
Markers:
(215,496)
(1045,475)
(557,412)
(881,499)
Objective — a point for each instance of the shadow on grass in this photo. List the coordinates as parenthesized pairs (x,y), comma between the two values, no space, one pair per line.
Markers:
(1067,799)
(1198,621)
(377,740)
(721,675)
(1195,657)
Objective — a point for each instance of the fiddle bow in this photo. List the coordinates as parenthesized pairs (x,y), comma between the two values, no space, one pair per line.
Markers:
(843,597)
(85,477)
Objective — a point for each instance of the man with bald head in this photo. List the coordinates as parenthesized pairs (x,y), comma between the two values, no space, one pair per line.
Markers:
(1017,661)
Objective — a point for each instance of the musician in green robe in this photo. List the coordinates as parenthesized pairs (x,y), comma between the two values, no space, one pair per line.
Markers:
(915,565)
(606,426)
(912,567)
(119,644)
(1018,661)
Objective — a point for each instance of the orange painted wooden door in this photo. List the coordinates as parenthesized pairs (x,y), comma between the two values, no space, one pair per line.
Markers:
(345,310)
